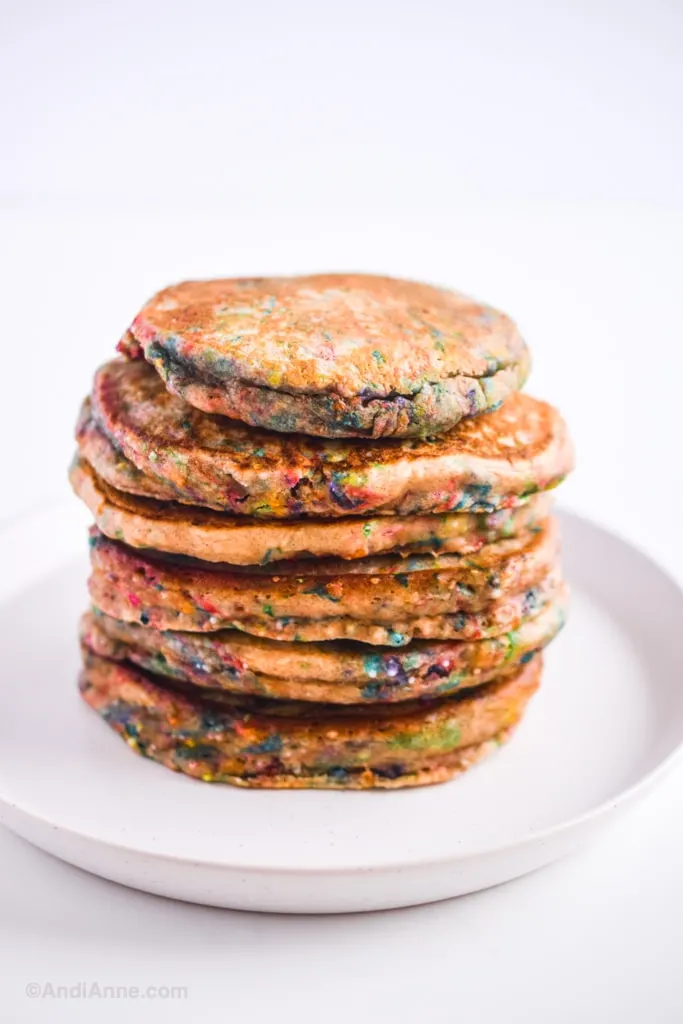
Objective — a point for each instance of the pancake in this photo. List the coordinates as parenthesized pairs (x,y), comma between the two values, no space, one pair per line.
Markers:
(254,742)
(141,439)
(499,616)
(155,590)
(324,673)
(220,537)
(331,355)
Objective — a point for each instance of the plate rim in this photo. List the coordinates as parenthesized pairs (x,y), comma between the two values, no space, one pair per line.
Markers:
(17,525)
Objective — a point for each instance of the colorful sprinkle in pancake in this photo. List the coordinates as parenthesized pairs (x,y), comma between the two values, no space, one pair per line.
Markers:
(140,438)
(479,594)
(324,555)
(331,355)
(221,537)
(332,673)
(217,737)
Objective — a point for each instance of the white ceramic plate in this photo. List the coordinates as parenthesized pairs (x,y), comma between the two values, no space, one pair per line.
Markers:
(607,720)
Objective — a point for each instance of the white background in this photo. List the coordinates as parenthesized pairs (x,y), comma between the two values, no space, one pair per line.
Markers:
(529,153)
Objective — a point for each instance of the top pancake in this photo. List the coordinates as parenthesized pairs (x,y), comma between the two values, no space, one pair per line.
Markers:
(332,355)
(483,464)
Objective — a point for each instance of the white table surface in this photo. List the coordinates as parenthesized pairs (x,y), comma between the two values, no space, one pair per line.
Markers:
(596,938)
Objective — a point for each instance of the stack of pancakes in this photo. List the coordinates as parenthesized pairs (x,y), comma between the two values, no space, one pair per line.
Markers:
(324,555)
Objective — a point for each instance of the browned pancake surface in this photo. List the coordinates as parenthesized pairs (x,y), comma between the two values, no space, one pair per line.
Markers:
(284,744)
(219,537)
(331,354)
(177,452)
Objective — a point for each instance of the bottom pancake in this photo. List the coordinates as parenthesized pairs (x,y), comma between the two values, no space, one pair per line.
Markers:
(260,743)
